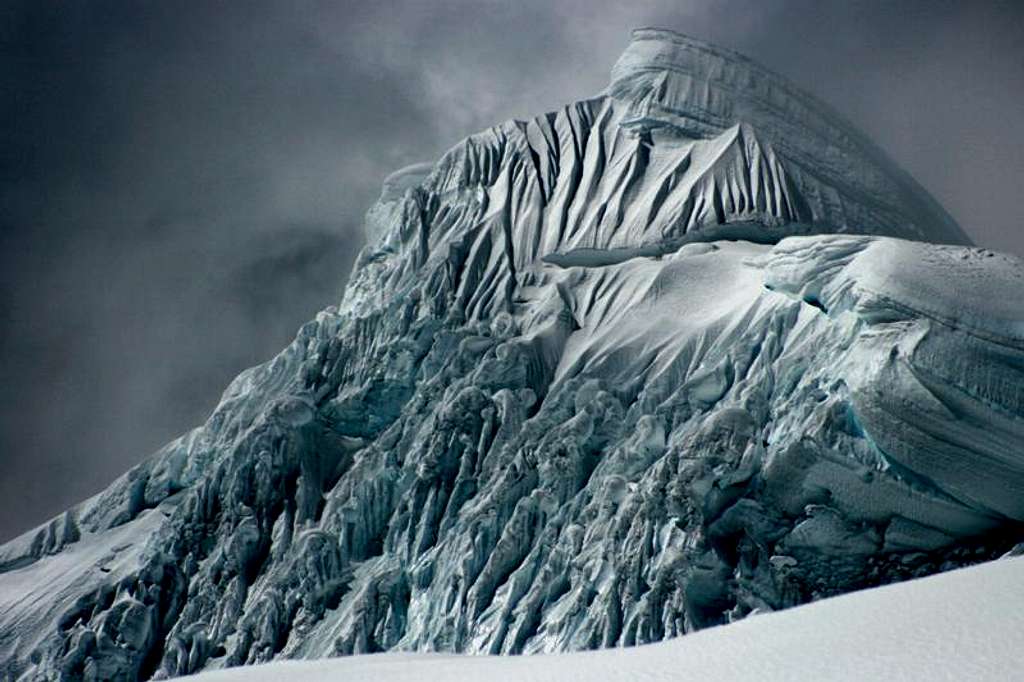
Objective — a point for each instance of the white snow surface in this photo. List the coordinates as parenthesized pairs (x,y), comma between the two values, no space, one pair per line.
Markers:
(967,624)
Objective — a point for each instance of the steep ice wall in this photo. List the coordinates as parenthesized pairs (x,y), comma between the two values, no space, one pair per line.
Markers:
(578,394)
(890,633)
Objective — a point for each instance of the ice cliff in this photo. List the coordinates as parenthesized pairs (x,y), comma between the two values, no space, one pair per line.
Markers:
(642,365)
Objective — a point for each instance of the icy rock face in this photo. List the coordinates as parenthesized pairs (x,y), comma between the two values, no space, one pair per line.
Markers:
(630,369)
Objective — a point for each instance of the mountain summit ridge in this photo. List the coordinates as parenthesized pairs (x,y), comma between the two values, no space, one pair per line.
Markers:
(734,88)
(603,377)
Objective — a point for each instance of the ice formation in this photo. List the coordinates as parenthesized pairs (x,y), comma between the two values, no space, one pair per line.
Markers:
(967,624)
(639,366)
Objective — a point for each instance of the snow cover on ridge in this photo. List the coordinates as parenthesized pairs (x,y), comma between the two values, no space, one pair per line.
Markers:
(963,625)
(631,369)
(676,83)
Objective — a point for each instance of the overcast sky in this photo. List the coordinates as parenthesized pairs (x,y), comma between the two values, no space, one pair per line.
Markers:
(182,183)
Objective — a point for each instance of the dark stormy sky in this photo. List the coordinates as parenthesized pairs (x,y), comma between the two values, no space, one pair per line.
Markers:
(182,183)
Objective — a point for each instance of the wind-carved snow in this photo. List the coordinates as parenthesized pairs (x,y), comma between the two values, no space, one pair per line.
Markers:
(681,84)
(628,370)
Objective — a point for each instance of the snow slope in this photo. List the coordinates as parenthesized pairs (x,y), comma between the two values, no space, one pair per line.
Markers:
(964,625)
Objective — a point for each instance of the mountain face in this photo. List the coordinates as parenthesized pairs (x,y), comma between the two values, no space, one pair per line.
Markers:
(633,368)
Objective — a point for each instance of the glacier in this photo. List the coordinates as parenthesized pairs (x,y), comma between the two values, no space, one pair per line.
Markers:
(688,350)
(889,633)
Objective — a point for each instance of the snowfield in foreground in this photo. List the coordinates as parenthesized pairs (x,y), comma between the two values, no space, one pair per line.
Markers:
(963,625)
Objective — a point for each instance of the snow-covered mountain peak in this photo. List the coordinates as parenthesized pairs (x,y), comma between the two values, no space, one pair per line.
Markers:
(689,142)
(599,378)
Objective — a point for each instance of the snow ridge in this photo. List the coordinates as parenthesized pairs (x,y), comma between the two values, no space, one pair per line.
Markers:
(672,80)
